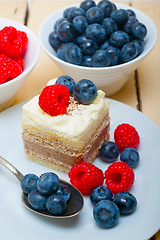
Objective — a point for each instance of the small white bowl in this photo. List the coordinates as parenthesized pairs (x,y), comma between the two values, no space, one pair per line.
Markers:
(110,79)
(9,89)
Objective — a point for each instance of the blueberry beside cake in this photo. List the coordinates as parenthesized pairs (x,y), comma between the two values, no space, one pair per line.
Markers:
(62,128)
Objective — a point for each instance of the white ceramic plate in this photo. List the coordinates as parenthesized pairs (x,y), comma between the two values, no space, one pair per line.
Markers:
(17,222)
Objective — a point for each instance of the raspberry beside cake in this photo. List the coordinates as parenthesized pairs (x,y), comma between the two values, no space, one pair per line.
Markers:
(61,141)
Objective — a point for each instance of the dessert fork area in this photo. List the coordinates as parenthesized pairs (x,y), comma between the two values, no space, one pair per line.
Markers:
(142,90)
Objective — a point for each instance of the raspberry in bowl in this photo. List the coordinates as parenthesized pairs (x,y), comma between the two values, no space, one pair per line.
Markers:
(86,55)
(20,50)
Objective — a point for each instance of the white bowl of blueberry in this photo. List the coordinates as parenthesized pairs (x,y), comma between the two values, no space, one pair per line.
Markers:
(101,41)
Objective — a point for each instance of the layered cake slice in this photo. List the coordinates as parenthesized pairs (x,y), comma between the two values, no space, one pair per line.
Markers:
(61,141)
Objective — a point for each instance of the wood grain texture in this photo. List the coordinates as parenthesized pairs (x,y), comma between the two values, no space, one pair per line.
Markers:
(15,10)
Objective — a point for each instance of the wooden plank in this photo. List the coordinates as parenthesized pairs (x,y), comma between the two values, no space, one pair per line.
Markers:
(128,94)
(157,236)
(15,10)
(148,71)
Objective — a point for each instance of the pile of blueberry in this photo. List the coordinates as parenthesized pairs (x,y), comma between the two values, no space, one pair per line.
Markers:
(108,207)
(84,91)
(98,35)
(46,192)
(109,152)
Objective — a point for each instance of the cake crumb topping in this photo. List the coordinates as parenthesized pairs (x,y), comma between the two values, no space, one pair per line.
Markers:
(74,107)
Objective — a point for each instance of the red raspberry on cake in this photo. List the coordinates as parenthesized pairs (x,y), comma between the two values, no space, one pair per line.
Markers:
(9,69)
(119,177)
(126,136)
(54,99)
(12,42)
(85,177)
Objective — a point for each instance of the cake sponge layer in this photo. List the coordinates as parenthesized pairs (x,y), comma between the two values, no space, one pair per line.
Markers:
(53,155)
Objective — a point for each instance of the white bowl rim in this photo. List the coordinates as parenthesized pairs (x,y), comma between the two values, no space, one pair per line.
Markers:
(119,5)
(36,57)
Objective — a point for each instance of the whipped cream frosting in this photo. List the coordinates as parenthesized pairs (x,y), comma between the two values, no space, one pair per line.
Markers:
(74,122)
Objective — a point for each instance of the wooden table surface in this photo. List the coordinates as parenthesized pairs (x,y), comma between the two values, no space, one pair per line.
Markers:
(142,90)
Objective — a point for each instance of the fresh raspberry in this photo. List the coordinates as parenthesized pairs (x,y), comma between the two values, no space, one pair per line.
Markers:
(9,69)
(85,177)
(12,42)
(18,60)
(119,177)
(54,99)
(24,38)
(126,136)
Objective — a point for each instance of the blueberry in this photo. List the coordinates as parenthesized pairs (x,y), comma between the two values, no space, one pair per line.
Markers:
(114,6)
(48,183)
(96,32)
(85,5)
(140,46)
(110,26)
(60,20)
(131,13)
(120,16)
(80,39)
(126,202)
(66,11)
(85,91)
(109,151)
(66,81)
(128,24)
(80,23)
(119,38)
(63,191)
(66,32)
(100,193)
(74,55)
(56,204)
(94,15)
(37,200)
(106,213)
(88,47)
(29,182)
(115,53)
(62,50)
(106,7)
(130,156)
(105,44)
(128,52)
(86,61)
(101,58)
(138,30)
(74,12)
(54,40)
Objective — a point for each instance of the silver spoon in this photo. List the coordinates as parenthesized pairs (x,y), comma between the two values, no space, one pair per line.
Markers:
(74,204)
